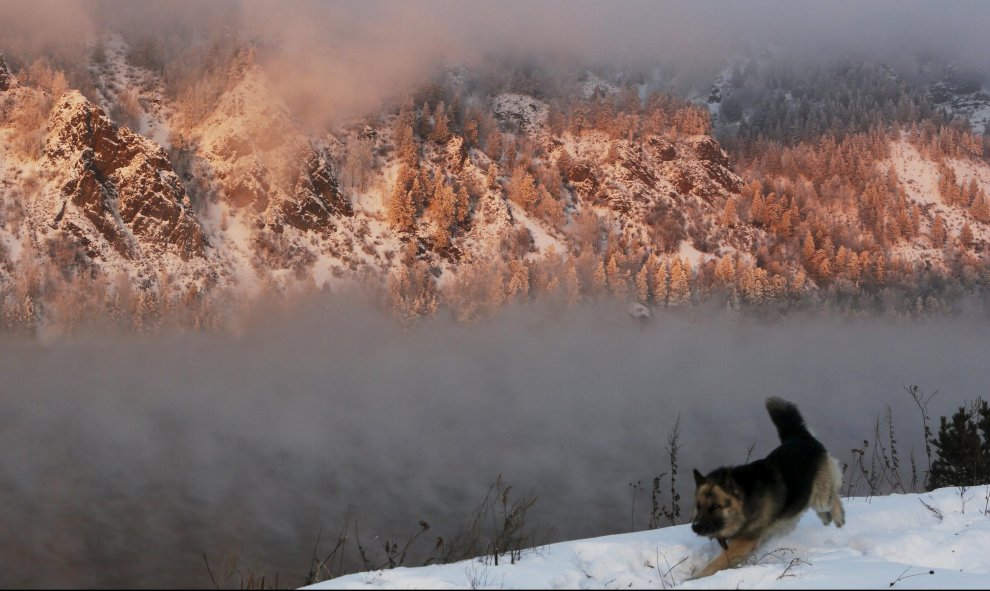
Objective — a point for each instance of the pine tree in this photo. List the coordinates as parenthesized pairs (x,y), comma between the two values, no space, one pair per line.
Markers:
(963,458)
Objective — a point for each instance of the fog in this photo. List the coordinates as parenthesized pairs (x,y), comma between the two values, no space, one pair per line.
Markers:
(127,459)
(339,58)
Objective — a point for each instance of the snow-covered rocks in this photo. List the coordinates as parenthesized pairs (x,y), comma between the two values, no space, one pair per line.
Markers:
(115,186)
(263,162)
(527,111)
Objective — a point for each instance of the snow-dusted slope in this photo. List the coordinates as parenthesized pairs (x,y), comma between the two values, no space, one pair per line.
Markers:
(917,541)
(225,187)
(919,177)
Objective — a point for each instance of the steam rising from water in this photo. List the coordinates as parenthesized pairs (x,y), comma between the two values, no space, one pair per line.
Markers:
(124,460)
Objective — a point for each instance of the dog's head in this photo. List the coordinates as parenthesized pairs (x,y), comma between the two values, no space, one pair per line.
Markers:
(718,505)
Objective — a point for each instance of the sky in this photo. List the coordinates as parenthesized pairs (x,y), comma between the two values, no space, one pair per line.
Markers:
(347,56)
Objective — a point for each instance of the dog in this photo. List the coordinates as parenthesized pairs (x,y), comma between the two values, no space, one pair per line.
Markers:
(743,506)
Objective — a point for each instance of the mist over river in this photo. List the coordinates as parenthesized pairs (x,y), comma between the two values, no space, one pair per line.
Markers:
(125,459)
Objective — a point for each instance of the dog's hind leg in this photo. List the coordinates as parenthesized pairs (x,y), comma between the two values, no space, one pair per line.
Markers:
(825,493)
(737,549)
(836,511)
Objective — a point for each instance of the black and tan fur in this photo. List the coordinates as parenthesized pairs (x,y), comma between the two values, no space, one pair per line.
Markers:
(742,506)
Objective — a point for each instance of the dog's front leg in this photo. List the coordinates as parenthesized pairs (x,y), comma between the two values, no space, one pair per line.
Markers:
(736,550)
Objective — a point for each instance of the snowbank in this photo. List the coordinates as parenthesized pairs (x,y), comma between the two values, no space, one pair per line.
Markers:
(888,542)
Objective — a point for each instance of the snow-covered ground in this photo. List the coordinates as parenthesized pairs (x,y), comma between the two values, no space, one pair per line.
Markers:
(915,541)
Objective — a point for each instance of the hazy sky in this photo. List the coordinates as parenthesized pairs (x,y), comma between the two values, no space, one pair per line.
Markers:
(343,55)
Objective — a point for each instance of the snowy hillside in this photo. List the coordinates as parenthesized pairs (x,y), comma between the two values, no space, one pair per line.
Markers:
(180,182)
(916,541)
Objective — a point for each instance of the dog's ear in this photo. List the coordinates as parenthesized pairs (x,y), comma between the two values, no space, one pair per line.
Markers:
(729,484)
(698,477)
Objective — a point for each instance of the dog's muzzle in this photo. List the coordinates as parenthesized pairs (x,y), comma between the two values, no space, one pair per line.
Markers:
(702,529)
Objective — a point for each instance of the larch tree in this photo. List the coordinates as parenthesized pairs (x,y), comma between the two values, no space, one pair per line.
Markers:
(680,283)
(572,284)
(518,285)
(660,284)
(444,209)
(598,281)
(808,248)
(938,232)
(401,211)
(617,280)
(966,236)
(729,216)
(463,205)
(441,129)
(643,283)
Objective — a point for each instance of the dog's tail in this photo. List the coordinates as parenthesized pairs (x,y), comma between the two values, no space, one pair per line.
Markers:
(786,418)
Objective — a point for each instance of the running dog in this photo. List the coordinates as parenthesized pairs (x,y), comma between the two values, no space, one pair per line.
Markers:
(742,506)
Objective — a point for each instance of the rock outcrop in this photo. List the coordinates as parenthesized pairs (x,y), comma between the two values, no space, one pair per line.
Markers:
(120,183)
(265,164)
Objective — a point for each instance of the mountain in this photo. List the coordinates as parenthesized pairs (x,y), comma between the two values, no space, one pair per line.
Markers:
(459,199)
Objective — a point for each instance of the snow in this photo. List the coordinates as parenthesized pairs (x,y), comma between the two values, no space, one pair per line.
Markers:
(117,75)
(530,112)
(888,542)
(542,239)
(980,119)
(692,254)
(919,176)
(593,83)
